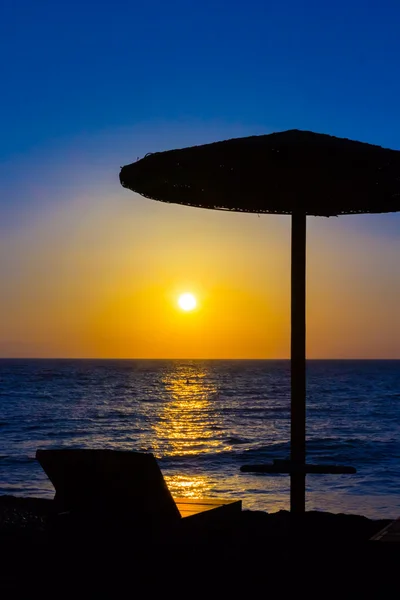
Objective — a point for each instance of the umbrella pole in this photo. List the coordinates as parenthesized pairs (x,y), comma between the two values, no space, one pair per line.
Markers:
(298,364)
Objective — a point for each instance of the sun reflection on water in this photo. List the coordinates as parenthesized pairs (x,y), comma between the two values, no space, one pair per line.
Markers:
(185,486)
(187,425)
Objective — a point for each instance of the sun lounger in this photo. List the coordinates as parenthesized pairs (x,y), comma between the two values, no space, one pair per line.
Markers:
(124,485)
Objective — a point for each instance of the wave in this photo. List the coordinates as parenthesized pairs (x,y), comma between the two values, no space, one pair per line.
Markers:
(236,441)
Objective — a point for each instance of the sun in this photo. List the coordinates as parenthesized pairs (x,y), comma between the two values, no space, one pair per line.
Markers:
(187,301)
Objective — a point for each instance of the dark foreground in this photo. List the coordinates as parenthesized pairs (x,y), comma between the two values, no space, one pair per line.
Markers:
(321,555)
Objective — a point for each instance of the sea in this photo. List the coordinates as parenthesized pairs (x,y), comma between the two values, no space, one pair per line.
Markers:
(204,419)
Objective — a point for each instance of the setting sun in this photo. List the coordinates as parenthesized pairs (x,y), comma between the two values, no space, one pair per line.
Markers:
(187,301)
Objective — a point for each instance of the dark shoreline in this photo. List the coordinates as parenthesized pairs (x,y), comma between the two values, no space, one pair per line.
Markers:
(257,548)
(21,515)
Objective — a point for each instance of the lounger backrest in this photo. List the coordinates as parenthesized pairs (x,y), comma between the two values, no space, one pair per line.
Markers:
(128,482)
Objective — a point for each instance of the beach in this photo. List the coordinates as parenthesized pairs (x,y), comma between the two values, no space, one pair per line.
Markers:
(255,552)
(202,438)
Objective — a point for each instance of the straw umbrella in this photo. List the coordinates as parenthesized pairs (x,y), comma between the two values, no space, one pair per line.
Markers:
(298,173)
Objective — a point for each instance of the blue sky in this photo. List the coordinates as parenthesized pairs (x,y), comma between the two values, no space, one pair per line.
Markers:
(82,67)
(79,69)
(89,86)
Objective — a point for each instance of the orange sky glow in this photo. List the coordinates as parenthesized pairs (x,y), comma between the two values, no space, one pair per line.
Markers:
(89,281)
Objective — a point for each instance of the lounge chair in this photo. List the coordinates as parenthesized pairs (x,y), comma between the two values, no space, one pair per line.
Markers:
(128,488)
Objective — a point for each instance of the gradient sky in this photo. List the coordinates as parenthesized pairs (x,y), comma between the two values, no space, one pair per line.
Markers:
(89,269)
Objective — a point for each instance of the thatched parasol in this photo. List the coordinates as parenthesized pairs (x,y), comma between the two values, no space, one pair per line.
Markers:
(292,172)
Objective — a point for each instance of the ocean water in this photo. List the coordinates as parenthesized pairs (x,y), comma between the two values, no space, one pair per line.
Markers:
(203,419)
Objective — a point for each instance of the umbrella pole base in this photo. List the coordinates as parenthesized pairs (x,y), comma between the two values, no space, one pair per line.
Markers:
(297,493)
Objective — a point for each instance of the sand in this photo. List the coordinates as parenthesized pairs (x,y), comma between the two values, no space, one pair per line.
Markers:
(321,554)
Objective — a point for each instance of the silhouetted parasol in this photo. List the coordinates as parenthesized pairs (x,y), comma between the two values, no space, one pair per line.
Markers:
(294,172)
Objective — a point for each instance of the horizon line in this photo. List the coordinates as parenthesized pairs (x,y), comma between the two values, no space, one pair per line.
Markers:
(178,358)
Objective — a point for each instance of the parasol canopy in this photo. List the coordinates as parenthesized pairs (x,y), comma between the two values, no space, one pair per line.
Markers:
(279,173)
(298,173)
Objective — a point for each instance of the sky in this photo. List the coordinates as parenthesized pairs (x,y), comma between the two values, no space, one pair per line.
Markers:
(89,269)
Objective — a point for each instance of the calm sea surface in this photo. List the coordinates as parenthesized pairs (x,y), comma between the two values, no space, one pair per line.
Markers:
(204,419)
